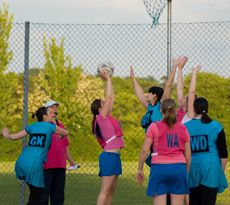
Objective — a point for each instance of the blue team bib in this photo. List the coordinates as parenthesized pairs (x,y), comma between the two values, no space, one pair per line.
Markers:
(199,143)
(37,140)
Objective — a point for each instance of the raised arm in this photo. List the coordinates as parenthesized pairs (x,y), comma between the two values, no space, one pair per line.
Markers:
(107,106)
(192,92)
(138,90)
(180,83)
(13,136)
(169,83)
(112,99)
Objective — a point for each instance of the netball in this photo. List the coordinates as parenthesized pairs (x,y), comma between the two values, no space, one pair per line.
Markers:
(105,67)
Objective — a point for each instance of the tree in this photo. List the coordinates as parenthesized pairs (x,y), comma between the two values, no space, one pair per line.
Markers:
(5,28)
(10,95)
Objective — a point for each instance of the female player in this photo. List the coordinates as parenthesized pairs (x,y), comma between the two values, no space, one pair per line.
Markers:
(170,158)
(29,165)
(209,156)
(109,134)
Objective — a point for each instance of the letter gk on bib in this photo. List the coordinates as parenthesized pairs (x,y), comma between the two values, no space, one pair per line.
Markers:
(37,140)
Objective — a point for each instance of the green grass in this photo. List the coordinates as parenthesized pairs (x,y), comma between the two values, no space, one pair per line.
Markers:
(83,185)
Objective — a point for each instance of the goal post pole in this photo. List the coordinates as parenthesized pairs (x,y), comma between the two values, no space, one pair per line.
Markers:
(169,36)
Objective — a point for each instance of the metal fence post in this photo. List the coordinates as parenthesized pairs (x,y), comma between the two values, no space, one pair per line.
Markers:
(25,98)
(169,37)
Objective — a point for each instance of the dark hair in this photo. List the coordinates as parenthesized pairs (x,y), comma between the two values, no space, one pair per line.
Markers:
(201,107)
(40,113)
(96,104)
(158,91)
(168,108)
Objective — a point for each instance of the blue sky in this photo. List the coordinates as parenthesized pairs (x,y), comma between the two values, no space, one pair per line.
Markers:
(114,11)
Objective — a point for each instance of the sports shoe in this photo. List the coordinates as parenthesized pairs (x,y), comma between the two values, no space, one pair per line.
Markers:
(73,167)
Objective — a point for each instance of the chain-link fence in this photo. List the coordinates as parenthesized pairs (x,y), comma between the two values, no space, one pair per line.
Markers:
(62,62)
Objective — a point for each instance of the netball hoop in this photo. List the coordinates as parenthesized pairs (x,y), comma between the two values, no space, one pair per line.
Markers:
(155,9)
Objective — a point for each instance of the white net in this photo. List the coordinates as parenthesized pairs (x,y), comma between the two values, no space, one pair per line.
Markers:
(154,9)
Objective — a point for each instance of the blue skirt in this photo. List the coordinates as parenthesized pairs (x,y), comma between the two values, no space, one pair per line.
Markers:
(109,164)
(168,179)
(30,169)
(207,172)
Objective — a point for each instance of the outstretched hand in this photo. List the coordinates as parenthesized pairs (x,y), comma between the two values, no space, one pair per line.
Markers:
(196,69)
(176,61)
(132,75)
(105,75)
(5,132)
(182,61)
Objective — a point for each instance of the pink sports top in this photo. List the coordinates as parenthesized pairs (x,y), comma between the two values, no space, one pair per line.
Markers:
(108,132)
(168,145)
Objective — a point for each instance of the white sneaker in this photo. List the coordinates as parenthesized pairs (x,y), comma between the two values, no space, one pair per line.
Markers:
(76,166)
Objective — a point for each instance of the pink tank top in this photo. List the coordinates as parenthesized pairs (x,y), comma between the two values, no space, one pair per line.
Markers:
(110,132)
(180,114)
(56,157)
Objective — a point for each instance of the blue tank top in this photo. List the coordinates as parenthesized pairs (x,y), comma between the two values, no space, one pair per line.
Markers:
(205,165)
(153,114)
(156,116)
(203,137)
(40,138)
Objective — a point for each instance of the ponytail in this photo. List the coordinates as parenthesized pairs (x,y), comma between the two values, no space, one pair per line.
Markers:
(93,125)
(33,115)
(205,118)
(168,108)
(96,104)
(201,107)
(40,113)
